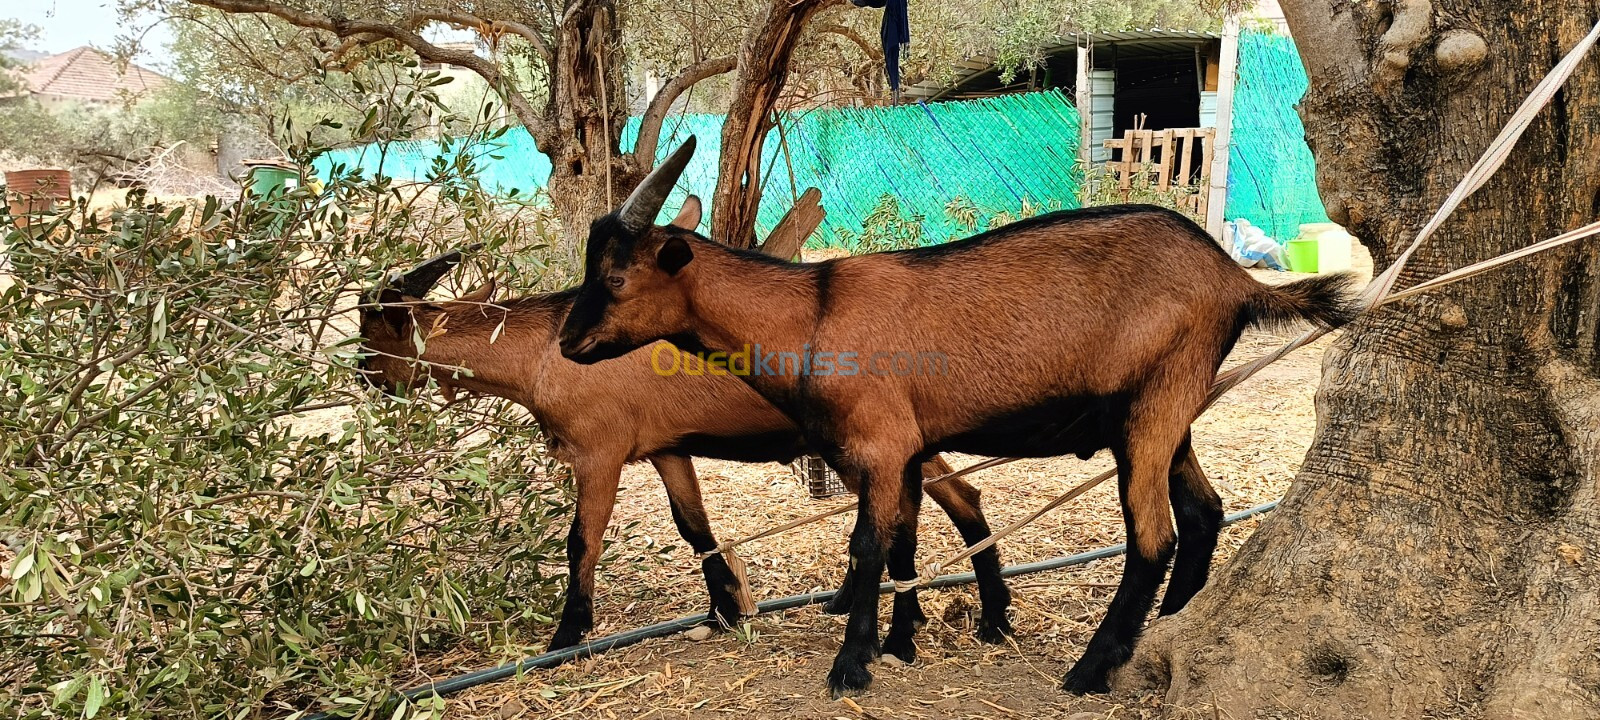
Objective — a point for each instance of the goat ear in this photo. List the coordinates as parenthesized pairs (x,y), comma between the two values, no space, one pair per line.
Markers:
(673,255)
(481,295)
(689,217)
(398,316)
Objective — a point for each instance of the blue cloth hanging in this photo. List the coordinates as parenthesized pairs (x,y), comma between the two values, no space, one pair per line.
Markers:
(895,32)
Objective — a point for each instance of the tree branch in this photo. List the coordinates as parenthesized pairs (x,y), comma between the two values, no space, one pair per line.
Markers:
(1330,42)
(480,25)
(334,55)
(764,57)
(850,34)
(346,29)
(644,148)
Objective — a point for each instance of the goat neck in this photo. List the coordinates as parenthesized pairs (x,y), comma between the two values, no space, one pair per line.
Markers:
(505,362)
(740,298)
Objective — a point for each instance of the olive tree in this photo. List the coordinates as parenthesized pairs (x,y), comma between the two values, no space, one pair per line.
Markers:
(1435,556)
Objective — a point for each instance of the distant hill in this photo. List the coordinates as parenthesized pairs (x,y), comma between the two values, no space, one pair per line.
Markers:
(24,56)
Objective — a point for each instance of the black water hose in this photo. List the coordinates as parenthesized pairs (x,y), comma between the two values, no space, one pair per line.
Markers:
(661,629)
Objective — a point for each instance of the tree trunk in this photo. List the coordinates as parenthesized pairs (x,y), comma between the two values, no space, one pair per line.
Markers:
(1436,555)
(588,173)
(763,70)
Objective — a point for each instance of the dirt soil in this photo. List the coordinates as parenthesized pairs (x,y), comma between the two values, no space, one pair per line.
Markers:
(1250,444)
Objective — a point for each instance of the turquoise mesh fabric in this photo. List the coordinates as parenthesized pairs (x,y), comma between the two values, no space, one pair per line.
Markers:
(1271,175)
(995,152)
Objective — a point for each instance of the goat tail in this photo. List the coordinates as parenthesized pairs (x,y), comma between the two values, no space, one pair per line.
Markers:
(1326,300)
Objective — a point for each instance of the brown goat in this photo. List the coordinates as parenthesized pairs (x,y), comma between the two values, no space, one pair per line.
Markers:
(1070,332)
(602,417)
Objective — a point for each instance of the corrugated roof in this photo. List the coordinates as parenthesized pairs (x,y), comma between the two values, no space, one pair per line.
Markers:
(87,74)
(1153,38)
(1123,36)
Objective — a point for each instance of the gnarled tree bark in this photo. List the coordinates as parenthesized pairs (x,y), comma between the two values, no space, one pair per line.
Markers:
(1437,554)
(763,69)
(578,125)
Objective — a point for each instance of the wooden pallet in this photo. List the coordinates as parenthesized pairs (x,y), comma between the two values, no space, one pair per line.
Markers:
(1165,159)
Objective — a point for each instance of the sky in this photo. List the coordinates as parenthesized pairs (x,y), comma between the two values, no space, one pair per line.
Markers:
(66,24)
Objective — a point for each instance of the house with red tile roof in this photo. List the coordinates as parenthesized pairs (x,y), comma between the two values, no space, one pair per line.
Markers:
(86,76)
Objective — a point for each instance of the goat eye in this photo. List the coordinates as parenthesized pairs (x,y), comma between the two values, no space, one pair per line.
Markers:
(615,281)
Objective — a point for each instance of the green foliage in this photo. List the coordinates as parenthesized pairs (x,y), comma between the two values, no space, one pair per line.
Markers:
(1101,187)
(747,633)
(885,228)
(99,140)
(277,75)
(1015,34)
(13,36)
(204,512)
(890,227)
(971,218)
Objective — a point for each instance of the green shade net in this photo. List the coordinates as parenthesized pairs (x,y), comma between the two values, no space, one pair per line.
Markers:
(1271,175)
(997,153)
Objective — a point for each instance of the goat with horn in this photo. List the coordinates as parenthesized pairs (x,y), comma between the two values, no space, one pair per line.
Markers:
(601,417)
(1071,332)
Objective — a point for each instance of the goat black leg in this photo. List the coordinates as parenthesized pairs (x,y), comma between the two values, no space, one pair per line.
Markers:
(961,501)
(879,505)
(907,617)
(844,598)
(689,514)
(1199,514)
(1144,460)
(596,481)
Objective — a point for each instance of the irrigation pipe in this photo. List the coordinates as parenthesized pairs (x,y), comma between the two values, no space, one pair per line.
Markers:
(1377,293)
(669,627)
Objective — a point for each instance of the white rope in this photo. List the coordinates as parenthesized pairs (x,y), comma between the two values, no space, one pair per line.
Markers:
(907,585)
(792,524)
(1378,291)
(1376,294)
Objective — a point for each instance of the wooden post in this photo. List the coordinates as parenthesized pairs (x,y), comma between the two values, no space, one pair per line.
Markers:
(1217,199)
(790,234)
(1085,103)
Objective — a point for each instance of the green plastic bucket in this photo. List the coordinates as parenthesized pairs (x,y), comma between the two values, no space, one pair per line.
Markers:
(268,180)
(1302,255)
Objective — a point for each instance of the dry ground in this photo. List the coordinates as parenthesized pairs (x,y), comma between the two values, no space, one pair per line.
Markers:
(1250,444)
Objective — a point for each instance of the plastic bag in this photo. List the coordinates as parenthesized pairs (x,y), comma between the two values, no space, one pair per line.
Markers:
(1251,247)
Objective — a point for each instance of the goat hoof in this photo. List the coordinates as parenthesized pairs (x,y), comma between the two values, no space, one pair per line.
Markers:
(567,636)
(848,678)
(724,613)
(839,604)
(1085,680)
(995,631)
(902,648)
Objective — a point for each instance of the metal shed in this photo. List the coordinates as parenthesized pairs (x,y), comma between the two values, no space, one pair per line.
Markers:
(1155,78)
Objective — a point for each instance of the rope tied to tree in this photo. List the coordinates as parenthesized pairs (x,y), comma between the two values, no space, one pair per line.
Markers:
(1377,294)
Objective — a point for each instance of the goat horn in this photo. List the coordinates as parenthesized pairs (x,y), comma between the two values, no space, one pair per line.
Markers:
(417,281)
(639,211)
